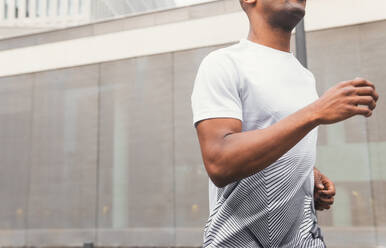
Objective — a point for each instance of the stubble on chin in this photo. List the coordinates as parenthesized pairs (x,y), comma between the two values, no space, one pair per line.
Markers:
(285,21)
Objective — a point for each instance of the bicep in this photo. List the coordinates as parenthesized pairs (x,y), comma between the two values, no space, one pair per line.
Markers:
(211,133)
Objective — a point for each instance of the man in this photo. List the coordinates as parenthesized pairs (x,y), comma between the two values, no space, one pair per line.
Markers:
(256,112)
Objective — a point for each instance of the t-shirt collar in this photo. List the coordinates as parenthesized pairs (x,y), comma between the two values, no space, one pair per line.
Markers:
(266,48)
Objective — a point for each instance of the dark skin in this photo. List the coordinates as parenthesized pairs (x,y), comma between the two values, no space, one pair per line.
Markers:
(324,191)
(230,155)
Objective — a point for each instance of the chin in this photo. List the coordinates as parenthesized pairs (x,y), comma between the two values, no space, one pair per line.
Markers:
(297,15)
(296,7)
(285,14)
(288,19)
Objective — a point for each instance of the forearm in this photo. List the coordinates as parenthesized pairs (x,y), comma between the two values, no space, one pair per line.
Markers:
(245,153)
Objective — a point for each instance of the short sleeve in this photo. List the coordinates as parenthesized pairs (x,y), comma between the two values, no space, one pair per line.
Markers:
(216,89)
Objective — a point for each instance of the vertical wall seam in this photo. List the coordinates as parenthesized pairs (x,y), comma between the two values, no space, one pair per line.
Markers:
(97,172)
(173,149)
(30,161)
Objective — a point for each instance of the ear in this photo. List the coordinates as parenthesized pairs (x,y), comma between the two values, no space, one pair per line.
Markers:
(247,3)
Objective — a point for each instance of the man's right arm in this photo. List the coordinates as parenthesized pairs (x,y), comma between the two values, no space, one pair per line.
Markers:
(230,155)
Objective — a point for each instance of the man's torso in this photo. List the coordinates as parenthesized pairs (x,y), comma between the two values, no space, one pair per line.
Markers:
(272,208)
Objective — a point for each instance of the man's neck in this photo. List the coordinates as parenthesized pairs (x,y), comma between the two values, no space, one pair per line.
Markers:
(263,33)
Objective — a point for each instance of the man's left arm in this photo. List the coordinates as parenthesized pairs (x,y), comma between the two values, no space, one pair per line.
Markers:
(324,191)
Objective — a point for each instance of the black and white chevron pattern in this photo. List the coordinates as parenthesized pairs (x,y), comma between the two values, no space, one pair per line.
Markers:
(272,208)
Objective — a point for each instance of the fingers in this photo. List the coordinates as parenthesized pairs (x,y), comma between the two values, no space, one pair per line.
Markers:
(362,87)
(367,91)
(319,185)
(318,180)
(325,194)
(322,207)
(365,100)
(322,203)
(376,95)
(330,188)
(318,207)
(326,200)
(363,93)
(360,82)
(365,111)
(357,82)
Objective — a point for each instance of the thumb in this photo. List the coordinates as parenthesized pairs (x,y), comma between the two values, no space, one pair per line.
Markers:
(320,186)
(318,182)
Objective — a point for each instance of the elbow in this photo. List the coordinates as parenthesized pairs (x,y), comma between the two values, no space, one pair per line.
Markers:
(218,175)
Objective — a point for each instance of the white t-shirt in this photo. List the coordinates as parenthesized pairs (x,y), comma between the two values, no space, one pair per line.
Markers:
(260,85)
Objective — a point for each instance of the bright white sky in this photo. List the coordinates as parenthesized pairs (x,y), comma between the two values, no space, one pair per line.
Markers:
(187,2)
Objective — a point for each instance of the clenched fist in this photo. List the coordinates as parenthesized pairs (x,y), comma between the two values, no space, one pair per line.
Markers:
(324,191)
(346,99)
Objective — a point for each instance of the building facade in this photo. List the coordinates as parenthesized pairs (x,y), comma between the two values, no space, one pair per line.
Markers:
(18,17)
(97,137)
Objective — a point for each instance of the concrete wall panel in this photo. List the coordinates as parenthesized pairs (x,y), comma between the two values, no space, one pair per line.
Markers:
(373,59)
(137,170)
(64,155)
(192,205)
(15,138)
